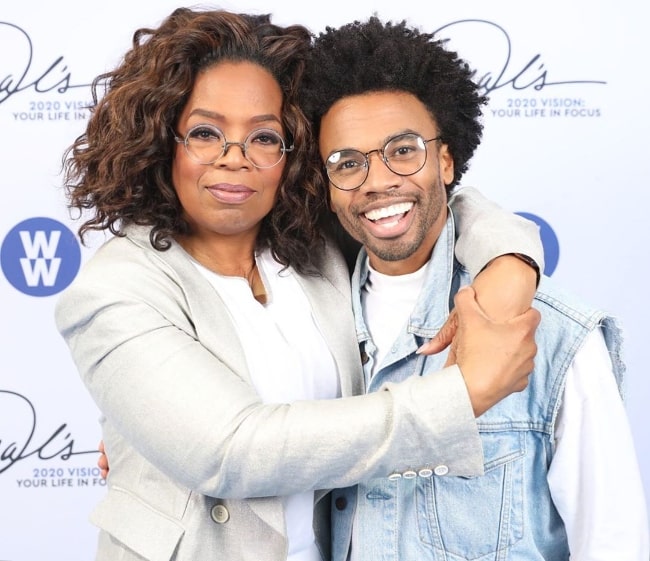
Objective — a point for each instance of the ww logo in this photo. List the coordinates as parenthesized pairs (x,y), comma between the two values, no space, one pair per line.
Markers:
(40,256)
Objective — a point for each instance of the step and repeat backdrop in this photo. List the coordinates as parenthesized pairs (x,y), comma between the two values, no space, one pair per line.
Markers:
(565,144)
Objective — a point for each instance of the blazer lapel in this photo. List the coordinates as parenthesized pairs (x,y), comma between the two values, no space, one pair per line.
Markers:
(207,310)
(331,308)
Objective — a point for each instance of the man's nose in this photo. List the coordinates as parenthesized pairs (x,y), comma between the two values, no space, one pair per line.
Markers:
(380,176)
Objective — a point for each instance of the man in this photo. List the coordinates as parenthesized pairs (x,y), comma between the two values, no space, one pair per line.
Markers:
(398,121)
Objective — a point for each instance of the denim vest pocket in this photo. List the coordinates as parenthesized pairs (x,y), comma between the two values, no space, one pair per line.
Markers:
(475,516)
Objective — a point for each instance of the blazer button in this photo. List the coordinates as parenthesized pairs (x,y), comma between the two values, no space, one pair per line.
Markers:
(340,503)
(219,513)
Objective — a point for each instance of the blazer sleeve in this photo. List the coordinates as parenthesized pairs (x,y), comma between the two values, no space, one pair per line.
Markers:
(192,413)
(486,231)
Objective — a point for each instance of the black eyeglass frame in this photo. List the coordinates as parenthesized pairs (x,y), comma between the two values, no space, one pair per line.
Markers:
(384,159)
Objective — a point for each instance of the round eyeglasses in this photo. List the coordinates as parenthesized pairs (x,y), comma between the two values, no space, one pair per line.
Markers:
(404,154)
(205,144)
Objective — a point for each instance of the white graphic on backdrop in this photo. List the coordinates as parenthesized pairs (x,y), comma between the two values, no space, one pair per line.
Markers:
(485,43)
(20,77)
(489,48)
(18,426)
(40,264)
(40,256)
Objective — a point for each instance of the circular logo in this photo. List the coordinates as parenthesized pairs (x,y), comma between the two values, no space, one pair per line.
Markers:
(549,241)
(40,256)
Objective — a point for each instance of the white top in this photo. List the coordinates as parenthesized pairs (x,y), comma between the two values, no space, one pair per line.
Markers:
(594,476)
(287,359)
(387,301)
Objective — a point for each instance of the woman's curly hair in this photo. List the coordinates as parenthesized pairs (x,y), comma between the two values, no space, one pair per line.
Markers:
(120,168)
(363,57)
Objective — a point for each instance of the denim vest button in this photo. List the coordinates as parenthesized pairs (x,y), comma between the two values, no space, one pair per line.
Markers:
(394,476)
(409,474)
(340,503)
(441,470)
(425,472)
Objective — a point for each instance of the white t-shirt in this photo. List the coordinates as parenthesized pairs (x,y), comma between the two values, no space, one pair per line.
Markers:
(288,360)
(387,302)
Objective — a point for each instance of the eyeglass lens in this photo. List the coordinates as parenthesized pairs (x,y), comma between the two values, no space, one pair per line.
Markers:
(404,155)
(264,148)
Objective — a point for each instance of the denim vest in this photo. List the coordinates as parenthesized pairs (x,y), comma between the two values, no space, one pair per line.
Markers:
(506,514)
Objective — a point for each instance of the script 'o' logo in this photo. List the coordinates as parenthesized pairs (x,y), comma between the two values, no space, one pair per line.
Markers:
(549,241)
(40,256)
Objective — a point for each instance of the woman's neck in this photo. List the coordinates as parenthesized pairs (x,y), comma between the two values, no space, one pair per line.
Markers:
(229,256)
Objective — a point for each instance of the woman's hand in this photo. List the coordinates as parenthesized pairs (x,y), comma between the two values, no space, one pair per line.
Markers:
(102,461)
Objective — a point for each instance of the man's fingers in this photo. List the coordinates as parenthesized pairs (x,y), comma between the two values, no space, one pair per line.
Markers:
(466,300)
(529,319)
(451,357)
(466,305)
(443,338)
(495,357)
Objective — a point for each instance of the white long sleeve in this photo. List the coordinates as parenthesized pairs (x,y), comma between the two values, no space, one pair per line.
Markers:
(594,476)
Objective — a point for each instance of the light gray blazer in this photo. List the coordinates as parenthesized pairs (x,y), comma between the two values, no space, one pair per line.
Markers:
(197,460)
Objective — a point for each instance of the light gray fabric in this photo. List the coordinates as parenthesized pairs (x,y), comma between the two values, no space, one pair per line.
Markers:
(487,231)
(155,347)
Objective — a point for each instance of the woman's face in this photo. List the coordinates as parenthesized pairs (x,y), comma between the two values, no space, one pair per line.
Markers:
(231,196)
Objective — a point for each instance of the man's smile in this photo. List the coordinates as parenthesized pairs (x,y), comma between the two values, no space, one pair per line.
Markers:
(392,211)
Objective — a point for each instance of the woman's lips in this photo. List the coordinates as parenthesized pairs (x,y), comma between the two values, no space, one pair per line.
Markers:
(230,194)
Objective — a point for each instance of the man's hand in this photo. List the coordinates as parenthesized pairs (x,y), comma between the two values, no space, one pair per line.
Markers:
(495,358)
(504,289)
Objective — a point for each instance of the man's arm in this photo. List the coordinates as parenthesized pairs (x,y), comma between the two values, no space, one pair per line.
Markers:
(494,358)
(594,476)
(485,231)
(503,254)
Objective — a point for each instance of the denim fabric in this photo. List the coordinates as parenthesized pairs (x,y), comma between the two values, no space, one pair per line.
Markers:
(508,513)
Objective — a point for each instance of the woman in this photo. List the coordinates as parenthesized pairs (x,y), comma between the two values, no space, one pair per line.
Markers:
(215,328)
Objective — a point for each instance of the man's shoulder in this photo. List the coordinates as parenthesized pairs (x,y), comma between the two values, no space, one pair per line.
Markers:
(552,298)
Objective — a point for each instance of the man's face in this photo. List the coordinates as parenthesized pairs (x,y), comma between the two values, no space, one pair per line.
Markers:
(397,218)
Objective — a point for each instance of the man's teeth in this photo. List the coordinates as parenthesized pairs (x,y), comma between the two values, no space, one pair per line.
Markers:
(385,212)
